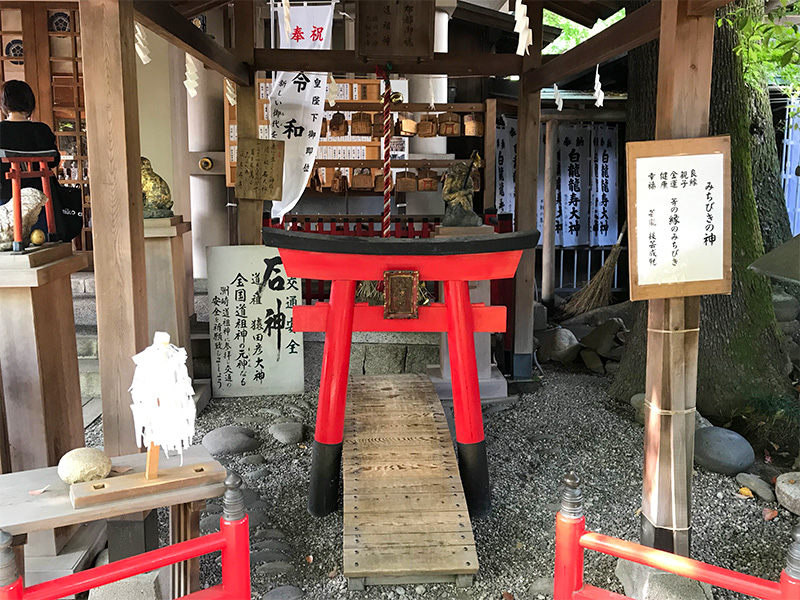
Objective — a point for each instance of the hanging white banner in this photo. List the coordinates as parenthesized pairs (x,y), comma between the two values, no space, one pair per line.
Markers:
(297,101)
(506,166)
(603,217)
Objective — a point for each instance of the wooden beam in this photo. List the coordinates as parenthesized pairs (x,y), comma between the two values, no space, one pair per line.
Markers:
(527,176)
(193,8)
(169,24)
(634,30)
(489,152)
(250,212)
(686,53)
(705,8)
(584,114)
(345,61)
(112,123)
(574,11)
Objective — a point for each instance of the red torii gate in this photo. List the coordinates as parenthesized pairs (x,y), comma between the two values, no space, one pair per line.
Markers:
(347,260)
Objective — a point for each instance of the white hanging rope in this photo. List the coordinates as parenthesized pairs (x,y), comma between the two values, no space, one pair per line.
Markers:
(598,88)
(163,398)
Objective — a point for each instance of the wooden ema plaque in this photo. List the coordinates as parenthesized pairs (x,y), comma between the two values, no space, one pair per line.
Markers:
(679,208)
(259,169)
(396,29)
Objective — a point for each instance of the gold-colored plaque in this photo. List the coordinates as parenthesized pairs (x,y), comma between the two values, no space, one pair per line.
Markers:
(400,294)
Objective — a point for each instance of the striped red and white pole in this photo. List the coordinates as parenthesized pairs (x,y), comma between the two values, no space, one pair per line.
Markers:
(387,160)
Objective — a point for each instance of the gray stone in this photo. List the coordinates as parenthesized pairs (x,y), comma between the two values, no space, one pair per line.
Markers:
(543,585)
(302,403)
(700,421)
(101,558)
(256,518)
(266,556)
(83,464)
(592,361)
(624,310)
(276,545)
(786,307)
(615,353)
(209,524)
(787,489)
(358,356)
(274,568)
(147,586)
(269,534)
(275,412)
(612,367)
(230,439)
(287,433)
(285,592)
(258,505)
(757,485)
(213,509)
(385,359)
(261,473)
(602,339)
(255,459)
(794,352)
(637,402)
(420,590)
(722,451)
(561,346)
(647,583)
(419,356)
(789,328)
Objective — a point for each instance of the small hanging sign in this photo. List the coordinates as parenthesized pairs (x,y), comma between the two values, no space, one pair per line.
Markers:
(395,29)
(259,170)
(679,208)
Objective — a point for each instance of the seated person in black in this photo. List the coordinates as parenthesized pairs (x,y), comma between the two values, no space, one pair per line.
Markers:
(18,132)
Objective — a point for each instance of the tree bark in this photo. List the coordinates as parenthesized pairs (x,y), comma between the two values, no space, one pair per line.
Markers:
(742,359)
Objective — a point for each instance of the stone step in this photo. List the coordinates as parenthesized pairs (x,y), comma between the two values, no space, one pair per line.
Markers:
(87,346)
(85,308)
(89,373)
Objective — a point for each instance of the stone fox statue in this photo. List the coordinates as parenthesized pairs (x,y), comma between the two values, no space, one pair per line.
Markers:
(32,202)
(457,193)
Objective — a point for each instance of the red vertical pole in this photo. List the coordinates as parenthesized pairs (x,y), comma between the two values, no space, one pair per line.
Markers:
(16,195)
(324,486)
(13,591)
(466,398)
(48,207)
(569,556)
(236,559)
(790,587)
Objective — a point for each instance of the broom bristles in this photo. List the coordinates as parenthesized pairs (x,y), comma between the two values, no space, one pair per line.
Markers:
(597,293)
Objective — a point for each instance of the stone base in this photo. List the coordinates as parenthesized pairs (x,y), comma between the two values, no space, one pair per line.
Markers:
(202,393)
(494,387)
(647,583)
(77,555)
(147,586)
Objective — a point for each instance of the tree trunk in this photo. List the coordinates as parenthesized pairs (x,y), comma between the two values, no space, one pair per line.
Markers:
(742,359)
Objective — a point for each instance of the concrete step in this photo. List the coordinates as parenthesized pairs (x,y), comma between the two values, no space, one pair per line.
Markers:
(87,346)
(85,308)
(89,373)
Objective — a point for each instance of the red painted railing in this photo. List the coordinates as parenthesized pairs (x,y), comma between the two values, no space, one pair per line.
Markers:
(572,539)
(233,540)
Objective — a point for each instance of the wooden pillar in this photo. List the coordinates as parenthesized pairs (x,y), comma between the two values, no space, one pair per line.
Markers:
(489,152)
(549,228)
(5,450)
(112,128)
(682,111)
(527,176)
(250,212)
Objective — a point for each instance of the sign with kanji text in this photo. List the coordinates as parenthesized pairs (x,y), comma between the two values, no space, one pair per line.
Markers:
(395,29)
(254,348)
(259,169)
(679,209)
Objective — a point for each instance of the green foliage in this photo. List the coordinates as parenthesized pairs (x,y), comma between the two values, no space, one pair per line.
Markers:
(573,34)
(769,46)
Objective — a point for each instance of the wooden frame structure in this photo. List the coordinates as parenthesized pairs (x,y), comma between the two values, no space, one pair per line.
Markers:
(685,29)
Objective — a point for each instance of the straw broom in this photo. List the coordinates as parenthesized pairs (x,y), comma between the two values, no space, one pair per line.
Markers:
(597,292)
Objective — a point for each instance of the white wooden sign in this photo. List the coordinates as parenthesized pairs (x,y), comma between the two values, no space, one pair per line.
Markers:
(680,216)
(254,349)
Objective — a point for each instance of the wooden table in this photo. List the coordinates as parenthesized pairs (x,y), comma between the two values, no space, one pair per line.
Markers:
(21,513)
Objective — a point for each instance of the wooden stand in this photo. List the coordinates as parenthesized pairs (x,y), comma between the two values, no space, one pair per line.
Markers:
(166,281)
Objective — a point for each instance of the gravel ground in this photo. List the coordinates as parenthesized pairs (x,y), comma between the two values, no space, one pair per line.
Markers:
(570,423)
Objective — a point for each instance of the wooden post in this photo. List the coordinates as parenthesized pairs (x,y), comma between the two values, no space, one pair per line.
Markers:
(151,463)
(682,111)
(527,176)
(112,124)
(489,152)
(250,212)
(549,228)
(5,450)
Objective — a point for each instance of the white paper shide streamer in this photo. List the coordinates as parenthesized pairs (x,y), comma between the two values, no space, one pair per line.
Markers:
(191,83)
(142,51)
(333,91)
(522,27)
(163,398)
(599,94)
(557,98)
(230,92)
(287,18)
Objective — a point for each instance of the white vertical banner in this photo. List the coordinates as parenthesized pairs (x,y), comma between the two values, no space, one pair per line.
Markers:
(540,181)
(297,101)
(575,172)
(506,166)
(604,201)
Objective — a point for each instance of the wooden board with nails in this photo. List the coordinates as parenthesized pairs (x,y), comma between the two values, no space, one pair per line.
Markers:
(405,515)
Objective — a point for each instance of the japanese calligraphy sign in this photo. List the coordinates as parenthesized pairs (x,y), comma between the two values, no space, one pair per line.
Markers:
(297,102)
(254,349)
(679,210)
(505,165)
(395,29)
(259,172)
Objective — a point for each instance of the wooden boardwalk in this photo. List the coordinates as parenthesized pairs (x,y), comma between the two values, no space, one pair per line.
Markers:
(405,516)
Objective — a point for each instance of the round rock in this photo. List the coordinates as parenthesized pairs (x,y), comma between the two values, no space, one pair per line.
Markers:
(757,485)
(561,345)
(786,307)
(287,433)
(230,439)
(254,459)
(787,488)
(722,450)
(83,464)
(285,592)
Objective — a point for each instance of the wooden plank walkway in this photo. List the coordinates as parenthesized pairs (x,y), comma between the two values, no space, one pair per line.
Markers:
(405,516)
